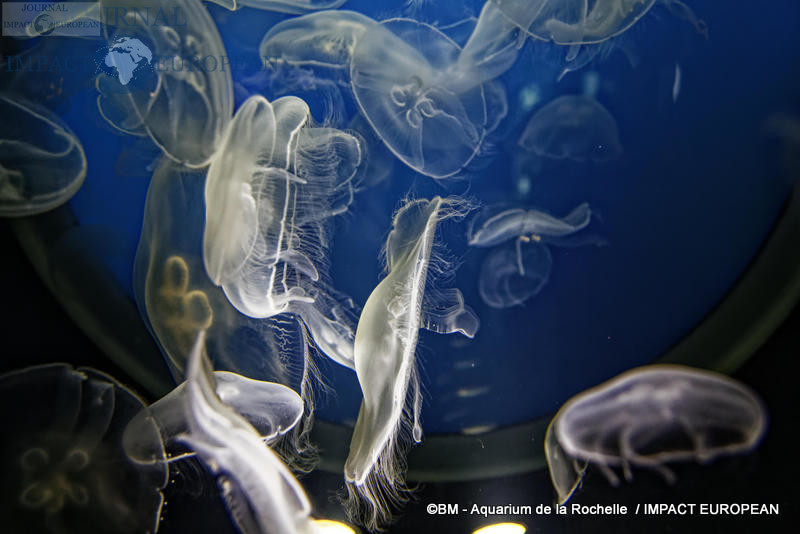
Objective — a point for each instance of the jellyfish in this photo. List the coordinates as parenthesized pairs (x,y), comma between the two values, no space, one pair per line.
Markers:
(405,78)
(385,346)
(176,300)
(182,96)
(42,163)
(509,278)
(650,416)
(259,490)
(292,7)
(269,195)
(66,467)
(576,127)
(319,41)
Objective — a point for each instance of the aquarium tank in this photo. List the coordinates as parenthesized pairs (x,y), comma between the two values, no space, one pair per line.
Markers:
(330,266)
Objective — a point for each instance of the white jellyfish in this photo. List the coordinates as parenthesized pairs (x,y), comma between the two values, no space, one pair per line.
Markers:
(42,163)
(294,7)
(63,432)
(430,112)
(650,416)
(385,359)
(576,127)
(270,193)
(509,277)
(182,93)
(177,300)
(228,421)
(404,75)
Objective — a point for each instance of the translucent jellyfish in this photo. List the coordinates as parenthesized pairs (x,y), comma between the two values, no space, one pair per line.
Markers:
(177,300)
(294,7)
(269,196)
(576,127)
(407,82)
(66,470)
(182,95)
(259,490)
(508,276)
(323,40)
(385,346)
(42,163)
(272,409)
(650,416)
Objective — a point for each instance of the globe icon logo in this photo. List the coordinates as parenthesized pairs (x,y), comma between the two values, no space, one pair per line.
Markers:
(44,24)
(126,59)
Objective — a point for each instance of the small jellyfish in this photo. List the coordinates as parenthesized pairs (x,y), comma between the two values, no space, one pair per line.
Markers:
(576,127)
(408,84)
(182,94)
(323,40)
(42,163)
(385,359)
(259,490)
(509,277)
(650,416)
(65,462)
(293,7)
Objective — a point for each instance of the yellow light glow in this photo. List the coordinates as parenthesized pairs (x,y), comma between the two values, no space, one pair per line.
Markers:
(502,528)
(327,526)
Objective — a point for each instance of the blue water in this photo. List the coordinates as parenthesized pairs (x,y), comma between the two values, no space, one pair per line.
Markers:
(683,211)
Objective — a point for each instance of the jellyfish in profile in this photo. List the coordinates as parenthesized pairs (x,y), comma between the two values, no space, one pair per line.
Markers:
(259,490)
(385,345)
(183,95)
(42,163)
(650,416)
(65,463)
(509,277)
(575,127)
(293,7)
(270,194)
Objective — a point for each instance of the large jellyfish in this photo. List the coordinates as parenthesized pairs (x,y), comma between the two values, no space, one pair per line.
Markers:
(66,470)
(186,101)
(385,347)
(260,491)
(42,163)
(406,79)
(269,195)
(650,416)
(576,127)
(509,277)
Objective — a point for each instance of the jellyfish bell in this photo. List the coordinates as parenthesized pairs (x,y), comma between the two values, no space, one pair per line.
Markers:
(575,127)
(491,228)
(385,362)
(272,409)
(292,7)
(258,487)
(402,76)
(657,414)
(166,78)
(65,455)
(42,163)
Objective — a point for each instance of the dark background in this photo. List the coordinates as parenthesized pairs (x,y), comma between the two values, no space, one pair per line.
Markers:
(36,330)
